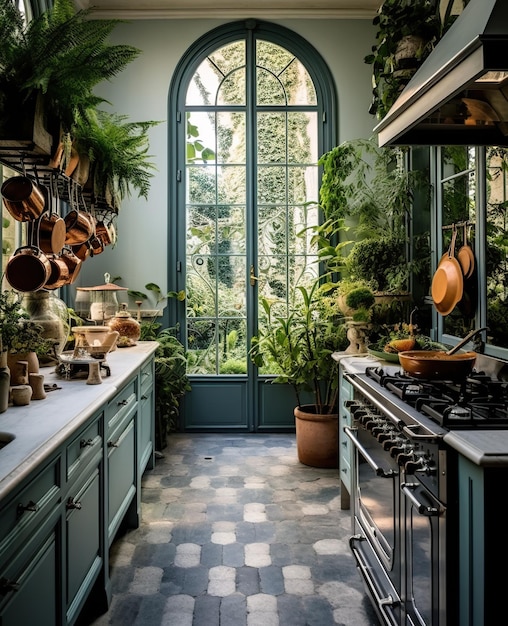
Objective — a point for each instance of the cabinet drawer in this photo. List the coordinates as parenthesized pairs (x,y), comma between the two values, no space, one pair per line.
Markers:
(83,448)
(120,407)
(146,378)
(28,508)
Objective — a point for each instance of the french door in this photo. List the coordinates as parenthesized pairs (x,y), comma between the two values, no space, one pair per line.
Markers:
(251,123)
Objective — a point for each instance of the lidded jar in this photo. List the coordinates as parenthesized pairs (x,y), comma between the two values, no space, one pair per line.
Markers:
(126,326)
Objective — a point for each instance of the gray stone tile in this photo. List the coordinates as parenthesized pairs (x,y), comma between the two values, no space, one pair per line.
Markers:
(247,580)
(207,611)
(233,610)
(271,580)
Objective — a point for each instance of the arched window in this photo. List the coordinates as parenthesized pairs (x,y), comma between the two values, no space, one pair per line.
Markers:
(254,107)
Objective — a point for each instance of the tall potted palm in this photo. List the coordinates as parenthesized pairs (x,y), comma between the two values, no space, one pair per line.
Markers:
(299,349)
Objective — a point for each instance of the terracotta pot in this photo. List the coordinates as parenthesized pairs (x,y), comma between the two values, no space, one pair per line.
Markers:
(28,269)
(317,437)
(434,364)
(23,198)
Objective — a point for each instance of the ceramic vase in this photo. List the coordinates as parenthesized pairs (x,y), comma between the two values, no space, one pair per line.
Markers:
(44,309)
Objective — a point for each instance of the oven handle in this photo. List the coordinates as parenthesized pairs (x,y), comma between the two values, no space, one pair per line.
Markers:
(385,604)
(350,432)
(423,509)
(398,422)
(430,438)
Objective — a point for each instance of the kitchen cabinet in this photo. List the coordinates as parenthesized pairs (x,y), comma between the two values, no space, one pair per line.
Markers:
(64,496)
(345,448)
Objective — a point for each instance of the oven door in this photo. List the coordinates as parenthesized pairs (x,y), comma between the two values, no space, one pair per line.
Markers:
(423,560)
(376,521)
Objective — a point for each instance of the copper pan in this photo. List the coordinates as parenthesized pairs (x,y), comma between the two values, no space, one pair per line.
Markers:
(23,198)
(59,275)
(73,263)
(448,281)
(465,256)
(28,269)
(79,226)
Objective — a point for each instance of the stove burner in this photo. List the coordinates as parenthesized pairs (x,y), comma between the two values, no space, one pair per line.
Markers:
(477,402)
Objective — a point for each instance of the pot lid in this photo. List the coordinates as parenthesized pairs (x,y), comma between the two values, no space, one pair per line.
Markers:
(459,96)
(108,286)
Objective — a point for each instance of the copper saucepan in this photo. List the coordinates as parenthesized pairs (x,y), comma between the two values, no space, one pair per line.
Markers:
(28,269)
(79,226)
(51,233)
(59,275)
(23,198)
(73,263)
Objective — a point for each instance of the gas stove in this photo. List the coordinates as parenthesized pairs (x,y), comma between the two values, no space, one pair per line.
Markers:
(480,401)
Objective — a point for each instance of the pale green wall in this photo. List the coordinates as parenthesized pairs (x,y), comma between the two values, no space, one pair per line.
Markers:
(141,93)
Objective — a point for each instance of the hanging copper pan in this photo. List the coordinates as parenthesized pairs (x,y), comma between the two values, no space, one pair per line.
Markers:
(448,281)
(465,256)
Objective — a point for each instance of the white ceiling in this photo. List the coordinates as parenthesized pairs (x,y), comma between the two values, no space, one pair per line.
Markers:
(273,9)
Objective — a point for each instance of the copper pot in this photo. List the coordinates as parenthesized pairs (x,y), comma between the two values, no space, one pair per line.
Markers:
(23,198)
(51,233)
(103,231)
(80,227)
(435,364)
(82,250)
(96,245)
(72,262)
(59,275)
(28,269)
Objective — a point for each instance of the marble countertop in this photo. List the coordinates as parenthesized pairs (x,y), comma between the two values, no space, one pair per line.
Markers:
(41,427)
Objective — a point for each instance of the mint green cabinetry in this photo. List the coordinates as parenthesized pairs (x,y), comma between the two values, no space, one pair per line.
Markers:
(58,522)
(345,455)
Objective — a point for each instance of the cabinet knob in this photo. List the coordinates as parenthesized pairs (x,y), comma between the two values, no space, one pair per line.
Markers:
(7,585)
(85,442)
(31,506)
(72,504)
(112,444)
(122,402)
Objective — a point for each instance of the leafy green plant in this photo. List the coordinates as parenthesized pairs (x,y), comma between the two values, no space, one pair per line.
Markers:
(171,381)
(118,153)
(17,333)
(299,347)
(360,298)
(61,55)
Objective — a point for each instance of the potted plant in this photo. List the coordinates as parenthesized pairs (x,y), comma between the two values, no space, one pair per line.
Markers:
(117,152)
(407,32)
(299,348)
(50,66)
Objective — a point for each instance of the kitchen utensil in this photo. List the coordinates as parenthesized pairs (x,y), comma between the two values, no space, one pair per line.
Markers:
(448,281)
(465,256)
(435,364)
(73,263)
(52,226)
(28,269)
(23,198)
(79,226)
(59,275)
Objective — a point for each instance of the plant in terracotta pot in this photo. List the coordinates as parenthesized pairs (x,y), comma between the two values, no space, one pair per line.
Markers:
(299,348)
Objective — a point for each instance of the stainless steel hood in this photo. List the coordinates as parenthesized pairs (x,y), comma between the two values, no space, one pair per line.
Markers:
(459,96)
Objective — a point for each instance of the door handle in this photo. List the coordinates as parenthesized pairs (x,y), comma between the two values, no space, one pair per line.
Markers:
(253,276)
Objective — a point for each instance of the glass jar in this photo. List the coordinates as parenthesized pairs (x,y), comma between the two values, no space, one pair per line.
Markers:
(126,326)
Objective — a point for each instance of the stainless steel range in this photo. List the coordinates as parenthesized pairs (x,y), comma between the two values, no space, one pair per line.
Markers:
(405,487)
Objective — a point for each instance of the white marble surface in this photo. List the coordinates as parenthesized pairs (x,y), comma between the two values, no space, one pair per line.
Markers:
(43,425)
(356,363)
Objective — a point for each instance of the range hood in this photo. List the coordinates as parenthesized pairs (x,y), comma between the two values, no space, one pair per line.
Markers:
(459,96)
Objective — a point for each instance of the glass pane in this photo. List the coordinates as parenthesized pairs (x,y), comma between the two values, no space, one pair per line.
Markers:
(232,355)
(201,184)
(283,71)
(200,137)
(303,146)
(271,138)
(201,353)
(271,185)
(231,184)
(201,288)
(207,79)
(232,90)
(231,228)
(200,229)
(269,88)
(230,137)
(497,247)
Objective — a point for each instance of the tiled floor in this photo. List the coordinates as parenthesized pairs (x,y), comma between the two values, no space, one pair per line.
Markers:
(236,532)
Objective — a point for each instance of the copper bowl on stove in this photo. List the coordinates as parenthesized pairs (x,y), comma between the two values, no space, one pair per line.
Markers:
(437,365)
